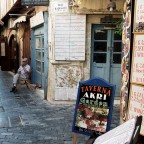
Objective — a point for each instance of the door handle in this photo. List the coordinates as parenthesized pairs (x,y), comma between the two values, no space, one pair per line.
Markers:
(110,48)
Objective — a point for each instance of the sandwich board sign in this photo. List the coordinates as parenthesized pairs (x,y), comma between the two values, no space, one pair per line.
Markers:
(94,106)
(126,133)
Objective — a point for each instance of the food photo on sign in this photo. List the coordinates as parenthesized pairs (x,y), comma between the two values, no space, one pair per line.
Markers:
(93,118)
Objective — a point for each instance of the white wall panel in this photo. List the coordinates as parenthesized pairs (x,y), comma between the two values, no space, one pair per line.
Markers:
(70,31)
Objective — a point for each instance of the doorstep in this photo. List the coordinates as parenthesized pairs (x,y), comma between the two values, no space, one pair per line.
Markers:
(40,92)
(117,100)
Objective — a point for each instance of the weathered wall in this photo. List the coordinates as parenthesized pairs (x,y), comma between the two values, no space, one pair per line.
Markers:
(65,75)
(97,5)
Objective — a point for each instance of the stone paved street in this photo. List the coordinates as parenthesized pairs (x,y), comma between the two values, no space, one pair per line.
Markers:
(25,118)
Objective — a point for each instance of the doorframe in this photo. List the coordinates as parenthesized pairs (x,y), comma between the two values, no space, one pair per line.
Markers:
(46,60)
(92,44)
(45,28)
(111,32)
(13,38)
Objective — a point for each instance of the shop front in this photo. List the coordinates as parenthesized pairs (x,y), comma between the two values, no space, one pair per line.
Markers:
(106,55)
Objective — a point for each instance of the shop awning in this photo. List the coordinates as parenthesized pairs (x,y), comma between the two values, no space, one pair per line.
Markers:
(18,20)
(18,9)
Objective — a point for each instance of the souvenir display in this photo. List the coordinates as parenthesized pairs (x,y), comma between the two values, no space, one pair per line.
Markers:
(125,63)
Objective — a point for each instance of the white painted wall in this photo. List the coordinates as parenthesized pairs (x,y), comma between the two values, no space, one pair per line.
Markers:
(66,51)
(69,39)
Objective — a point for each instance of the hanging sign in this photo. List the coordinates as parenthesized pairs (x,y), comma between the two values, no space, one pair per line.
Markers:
(60,7)
(94,105)
(37,19)
(35,2)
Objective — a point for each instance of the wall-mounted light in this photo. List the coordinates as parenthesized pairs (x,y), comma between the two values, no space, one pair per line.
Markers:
(111,6)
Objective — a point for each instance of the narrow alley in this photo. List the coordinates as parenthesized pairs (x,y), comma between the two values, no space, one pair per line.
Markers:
(25,118)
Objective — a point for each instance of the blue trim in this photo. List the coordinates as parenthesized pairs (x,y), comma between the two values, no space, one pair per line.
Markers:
(46,60)
(33,57)
(94,27)
(42,31)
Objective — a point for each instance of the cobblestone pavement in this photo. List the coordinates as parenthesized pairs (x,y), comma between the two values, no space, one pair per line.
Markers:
(25,118)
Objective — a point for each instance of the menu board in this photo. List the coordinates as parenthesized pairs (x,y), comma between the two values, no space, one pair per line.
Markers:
(123,134)
(94,105)
(137,72)
(139,16)
(136,103)
(136,97)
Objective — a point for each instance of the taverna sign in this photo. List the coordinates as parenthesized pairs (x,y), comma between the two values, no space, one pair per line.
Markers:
(94,106)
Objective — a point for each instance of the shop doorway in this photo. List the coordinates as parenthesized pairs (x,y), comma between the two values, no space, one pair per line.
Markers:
(4,54)
(14,54)
(106,55)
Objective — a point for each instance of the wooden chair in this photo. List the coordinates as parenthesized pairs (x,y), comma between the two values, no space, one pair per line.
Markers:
(26,82)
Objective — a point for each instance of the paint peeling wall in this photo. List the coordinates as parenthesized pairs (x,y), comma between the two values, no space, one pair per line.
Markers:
(67,80)
(68,76)
(94,6)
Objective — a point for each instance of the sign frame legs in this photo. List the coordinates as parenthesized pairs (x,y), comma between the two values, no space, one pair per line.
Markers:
(75,138)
